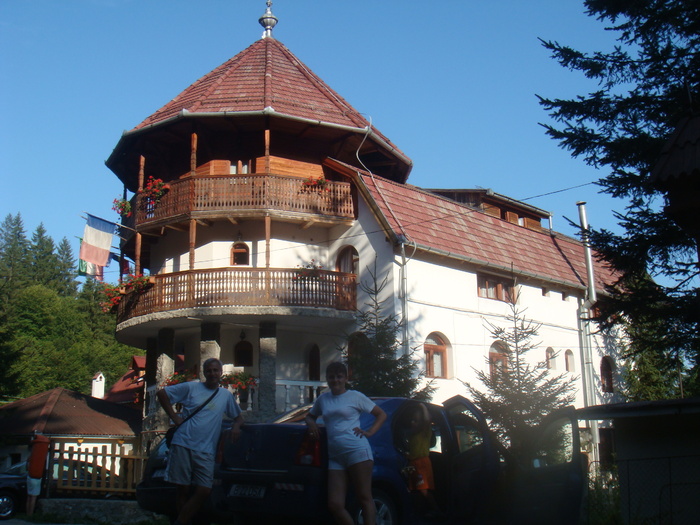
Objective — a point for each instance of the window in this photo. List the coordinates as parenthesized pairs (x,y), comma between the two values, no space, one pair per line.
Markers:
(435,348)
(243,353)
(606,374)
(240,255)
(497,288)
(569,359)
(348,260)
(498,359)
(549,357)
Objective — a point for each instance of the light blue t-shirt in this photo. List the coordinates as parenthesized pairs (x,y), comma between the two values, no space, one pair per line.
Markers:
(201,432)
(341,414)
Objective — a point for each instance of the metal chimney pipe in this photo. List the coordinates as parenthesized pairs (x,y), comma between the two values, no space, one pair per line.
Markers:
(587,252)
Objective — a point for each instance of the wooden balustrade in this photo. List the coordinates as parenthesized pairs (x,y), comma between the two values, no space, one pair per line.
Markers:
(231,194)
(220,287)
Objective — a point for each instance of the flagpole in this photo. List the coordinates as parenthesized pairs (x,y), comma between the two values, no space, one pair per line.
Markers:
(111,222)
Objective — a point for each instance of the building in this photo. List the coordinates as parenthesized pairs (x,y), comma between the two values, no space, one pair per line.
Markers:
(261,199)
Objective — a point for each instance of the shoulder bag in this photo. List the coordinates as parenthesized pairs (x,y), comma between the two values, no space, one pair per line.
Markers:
(171,431)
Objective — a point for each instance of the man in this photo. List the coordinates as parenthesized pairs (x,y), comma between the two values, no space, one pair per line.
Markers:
(193,449)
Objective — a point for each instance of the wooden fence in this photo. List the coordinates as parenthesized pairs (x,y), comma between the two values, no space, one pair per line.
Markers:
(93,469)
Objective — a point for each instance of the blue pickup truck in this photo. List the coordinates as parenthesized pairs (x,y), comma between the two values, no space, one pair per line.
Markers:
(276,472)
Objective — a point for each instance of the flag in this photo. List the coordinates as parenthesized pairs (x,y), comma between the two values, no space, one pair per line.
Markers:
(90,270)
(97,241)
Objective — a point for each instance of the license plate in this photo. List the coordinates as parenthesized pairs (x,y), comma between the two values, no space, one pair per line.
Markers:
(247,491)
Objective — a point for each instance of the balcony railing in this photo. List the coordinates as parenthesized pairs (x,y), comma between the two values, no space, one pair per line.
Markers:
(240,194)
(222,287)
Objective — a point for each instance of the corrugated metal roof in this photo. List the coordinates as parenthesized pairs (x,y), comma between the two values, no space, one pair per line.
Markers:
(451,229)
(61,412)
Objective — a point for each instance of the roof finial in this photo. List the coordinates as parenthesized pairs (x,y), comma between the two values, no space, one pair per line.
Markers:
(268,21)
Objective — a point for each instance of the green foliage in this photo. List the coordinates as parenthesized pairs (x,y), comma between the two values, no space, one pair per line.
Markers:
(51,335)
(377,365)
(646,85)
(519,395)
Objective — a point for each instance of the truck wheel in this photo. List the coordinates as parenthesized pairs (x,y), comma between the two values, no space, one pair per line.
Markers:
(386,509)
(8,504)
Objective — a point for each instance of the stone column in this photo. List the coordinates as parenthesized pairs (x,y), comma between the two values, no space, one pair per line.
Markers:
(159,365)
(268,369)
(209,344)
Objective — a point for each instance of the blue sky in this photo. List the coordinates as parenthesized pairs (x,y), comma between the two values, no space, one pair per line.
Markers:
(451,83)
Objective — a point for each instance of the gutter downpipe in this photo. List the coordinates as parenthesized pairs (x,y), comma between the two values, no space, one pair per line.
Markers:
(587,375)
(404,297)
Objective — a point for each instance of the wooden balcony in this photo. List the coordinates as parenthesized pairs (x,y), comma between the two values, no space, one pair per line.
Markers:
(222,287)
(232,196)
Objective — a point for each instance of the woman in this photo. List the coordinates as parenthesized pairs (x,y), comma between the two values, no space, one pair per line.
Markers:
(350,457)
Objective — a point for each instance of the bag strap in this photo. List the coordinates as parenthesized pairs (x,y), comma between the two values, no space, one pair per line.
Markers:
(200,407)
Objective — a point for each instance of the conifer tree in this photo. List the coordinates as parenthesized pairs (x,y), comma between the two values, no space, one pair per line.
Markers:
(14,255)
(43,262)
(519,394)
(66,284)
(376,363)
(646,85)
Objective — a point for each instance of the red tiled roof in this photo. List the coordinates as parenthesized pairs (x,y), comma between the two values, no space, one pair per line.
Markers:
(64,412)
(451,229)
(266,74)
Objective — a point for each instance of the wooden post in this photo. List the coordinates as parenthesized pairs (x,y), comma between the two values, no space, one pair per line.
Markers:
(193,155)
(267,151)
(137,254)
(142,170)
(268,227)
(193,240)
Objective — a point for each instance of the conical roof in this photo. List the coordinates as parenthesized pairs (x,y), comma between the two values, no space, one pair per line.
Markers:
(265,75)
(263,83)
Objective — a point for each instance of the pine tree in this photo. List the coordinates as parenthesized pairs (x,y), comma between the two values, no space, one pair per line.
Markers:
(43,267)
(647,84)
(376,363)
(14,255)
(66,284)
(519,394)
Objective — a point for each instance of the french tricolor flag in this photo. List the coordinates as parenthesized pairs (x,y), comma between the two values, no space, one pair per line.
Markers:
(97,240)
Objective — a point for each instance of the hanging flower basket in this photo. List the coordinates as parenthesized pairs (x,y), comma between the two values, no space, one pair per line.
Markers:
(307,272)
(112,297)
(313,185)
(122,207)
(182,376)
(138,283)
(239,381)
(154,190)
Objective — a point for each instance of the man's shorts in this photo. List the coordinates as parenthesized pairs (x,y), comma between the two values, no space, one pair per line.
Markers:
(33,486)
(347,459)
(189,467)
(421,477)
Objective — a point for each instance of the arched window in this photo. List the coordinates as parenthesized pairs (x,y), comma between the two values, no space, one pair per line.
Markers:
(569,359)
(498,359)
(606,374)
(243,352)
(549,357)
(348,260)
(240,254)
(435,348)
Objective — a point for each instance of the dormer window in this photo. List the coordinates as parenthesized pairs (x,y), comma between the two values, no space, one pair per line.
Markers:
(498,288)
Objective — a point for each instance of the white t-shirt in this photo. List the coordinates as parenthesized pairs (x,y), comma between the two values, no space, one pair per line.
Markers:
(201,432)
(341,414)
